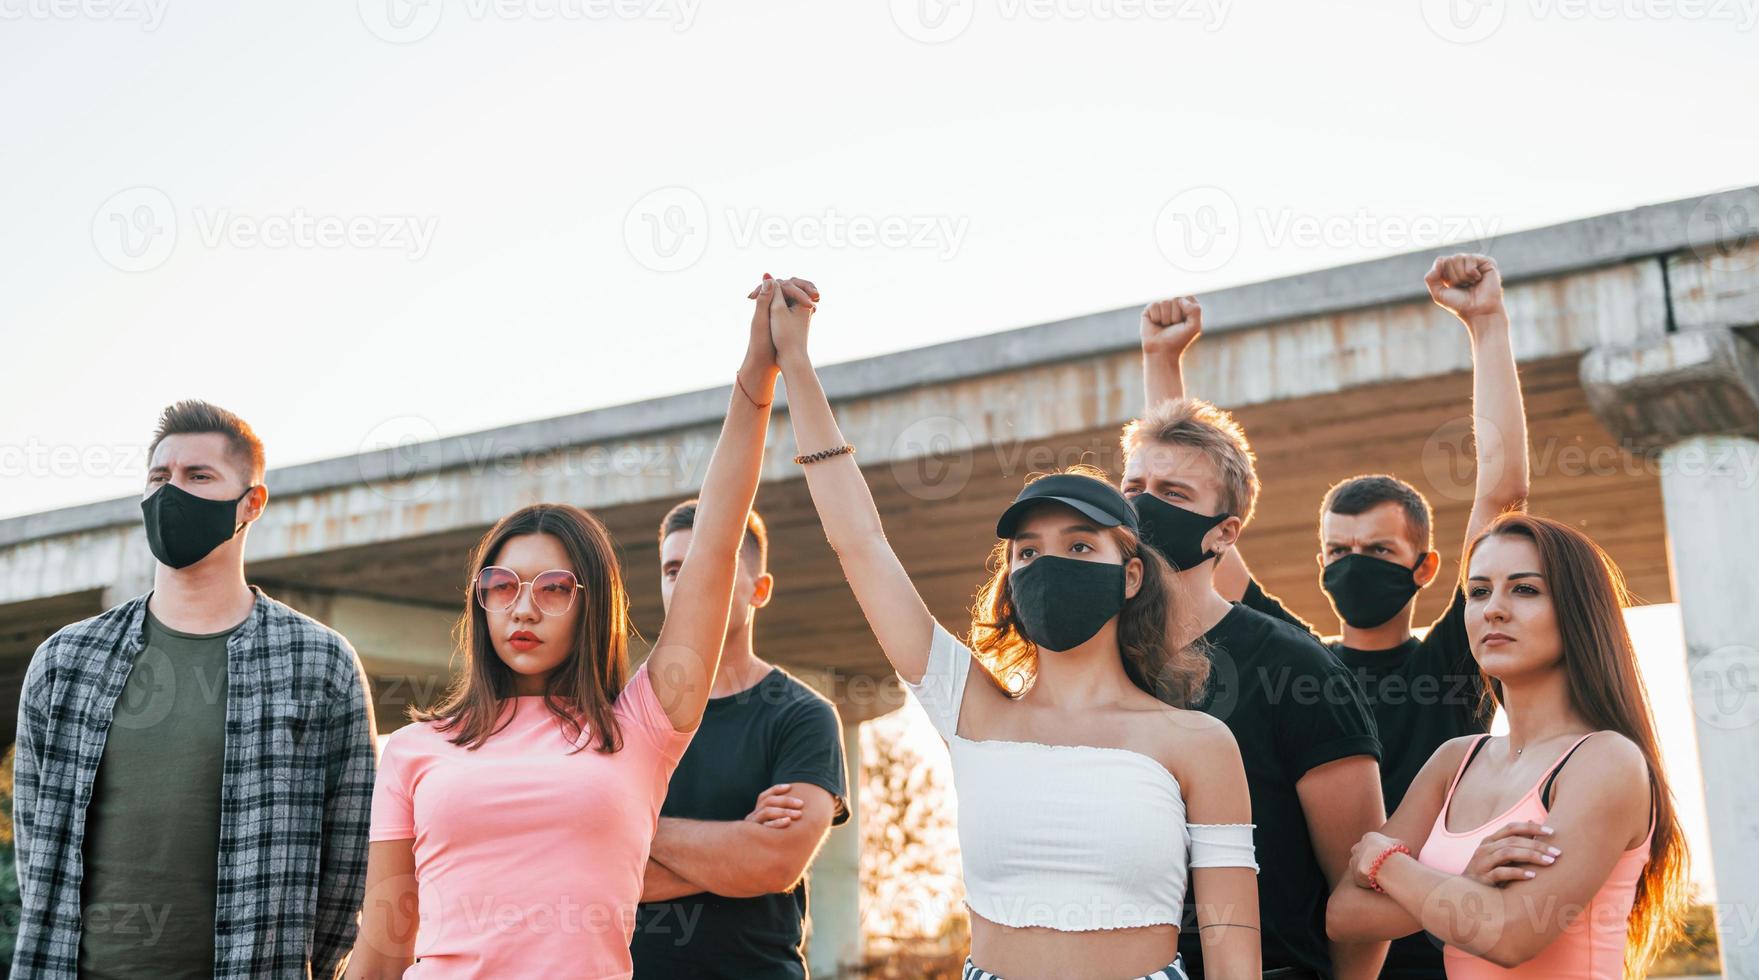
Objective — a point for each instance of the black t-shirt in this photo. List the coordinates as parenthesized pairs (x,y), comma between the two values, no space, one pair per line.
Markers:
(1423,693)
(776,731)
(1292,707)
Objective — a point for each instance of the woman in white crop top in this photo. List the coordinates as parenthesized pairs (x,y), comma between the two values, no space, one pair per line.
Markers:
(1087,791)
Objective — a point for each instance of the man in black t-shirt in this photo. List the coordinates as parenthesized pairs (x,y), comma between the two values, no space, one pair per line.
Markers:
(1376,549)
(760,786)
(1306,738)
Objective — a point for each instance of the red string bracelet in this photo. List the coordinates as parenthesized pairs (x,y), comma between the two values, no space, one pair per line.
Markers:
(1374,869)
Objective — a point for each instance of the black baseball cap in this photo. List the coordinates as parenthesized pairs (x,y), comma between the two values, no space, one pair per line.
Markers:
(1093,498)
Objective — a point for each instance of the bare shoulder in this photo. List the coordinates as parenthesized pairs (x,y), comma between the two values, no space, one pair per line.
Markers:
(1190,742)
(1612,763)
(1439,771)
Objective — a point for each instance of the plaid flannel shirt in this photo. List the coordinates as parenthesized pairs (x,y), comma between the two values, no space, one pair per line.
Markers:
(294,807)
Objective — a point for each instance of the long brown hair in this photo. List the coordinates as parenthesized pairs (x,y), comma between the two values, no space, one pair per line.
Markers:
(585,686)
(1588,597)
(1175,676)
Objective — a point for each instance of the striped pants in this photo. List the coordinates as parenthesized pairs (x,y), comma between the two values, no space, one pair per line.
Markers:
(1172,971)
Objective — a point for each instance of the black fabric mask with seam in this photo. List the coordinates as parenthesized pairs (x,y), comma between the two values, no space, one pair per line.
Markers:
(1175,532)
(1367,591)
(1062,603)
(183,528)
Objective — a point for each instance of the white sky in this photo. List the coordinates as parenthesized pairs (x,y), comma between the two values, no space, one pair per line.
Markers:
(1032,152)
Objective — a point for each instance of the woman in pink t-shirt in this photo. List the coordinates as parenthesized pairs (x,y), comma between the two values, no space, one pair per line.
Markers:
(511,824)
(1567,864)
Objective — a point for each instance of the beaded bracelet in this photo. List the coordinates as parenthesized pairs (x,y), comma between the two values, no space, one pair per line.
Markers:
(1374,869)
(805,458)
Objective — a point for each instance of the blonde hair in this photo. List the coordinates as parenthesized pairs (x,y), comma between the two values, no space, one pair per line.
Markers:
(1196,423)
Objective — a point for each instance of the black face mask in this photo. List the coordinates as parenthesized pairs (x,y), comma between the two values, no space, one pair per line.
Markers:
(183,528)
(1062,602)
(1175,532)
(1368,591)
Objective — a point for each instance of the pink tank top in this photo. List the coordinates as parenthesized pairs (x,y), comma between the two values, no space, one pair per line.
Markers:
(1592,947)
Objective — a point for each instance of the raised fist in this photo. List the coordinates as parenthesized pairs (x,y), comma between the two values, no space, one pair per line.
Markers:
(1171,325)
(1466,285)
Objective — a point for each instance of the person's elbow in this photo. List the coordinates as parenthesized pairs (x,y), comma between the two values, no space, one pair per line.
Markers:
(1340,924)
(1515,949)
(1510,493)
(782,877)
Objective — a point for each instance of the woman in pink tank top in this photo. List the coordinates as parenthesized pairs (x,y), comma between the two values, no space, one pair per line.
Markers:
(1553,852)
(511,825)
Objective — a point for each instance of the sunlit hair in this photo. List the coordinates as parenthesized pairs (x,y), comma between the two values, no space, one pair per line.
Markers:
(195,417)
(585,685)
(1212,431)
(1175,676)
(1588,597)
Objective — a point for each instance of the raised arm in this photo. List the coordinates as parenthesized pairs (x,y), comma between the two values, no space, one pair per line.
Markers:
(1470,287)
(688,650)
(895,611)
(1169,328)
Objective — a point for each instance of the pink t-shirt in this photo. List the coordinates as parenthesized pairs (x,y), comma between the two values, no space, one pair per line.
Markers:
(528,859)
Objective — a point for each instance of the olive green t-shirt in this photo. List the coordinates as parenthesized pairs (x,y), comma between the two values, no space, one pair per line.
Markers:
(153,825)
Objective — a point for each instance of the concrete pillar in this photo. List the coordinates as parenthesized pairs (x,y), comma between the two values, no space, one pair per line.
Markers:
(1712,506)
(834,944)
(1693,398)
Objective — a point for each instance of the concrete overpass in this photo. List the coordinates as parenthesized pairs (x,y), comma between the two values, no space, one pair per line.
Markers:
(1635,336)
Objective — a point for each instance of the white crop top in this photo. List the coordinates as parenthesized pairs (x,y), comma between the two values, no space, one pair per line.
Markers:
(1070,837)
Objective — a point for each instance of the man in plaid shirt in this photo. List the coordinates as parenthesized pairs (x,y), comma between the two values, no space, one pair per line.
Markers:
(194,769)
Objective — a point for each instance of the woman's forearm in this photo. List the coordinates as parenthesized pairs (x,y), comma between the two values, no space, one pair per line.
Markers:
(1461,912)
(839,491)
(1357,914)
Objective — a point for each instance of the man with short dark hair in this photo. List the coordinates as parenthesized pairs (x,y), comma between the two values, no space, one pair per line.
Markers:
(194,767)
(1377,553)
(748,806)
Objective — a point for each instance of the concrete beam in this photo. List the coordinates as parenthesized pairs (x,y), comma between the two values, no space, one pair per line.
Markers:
(1717,288)
(1700,382)
(1702,225)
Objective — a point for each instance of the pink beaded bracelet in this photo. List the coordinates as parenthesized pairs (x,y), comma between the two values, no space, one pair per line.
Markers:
(1374,869)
